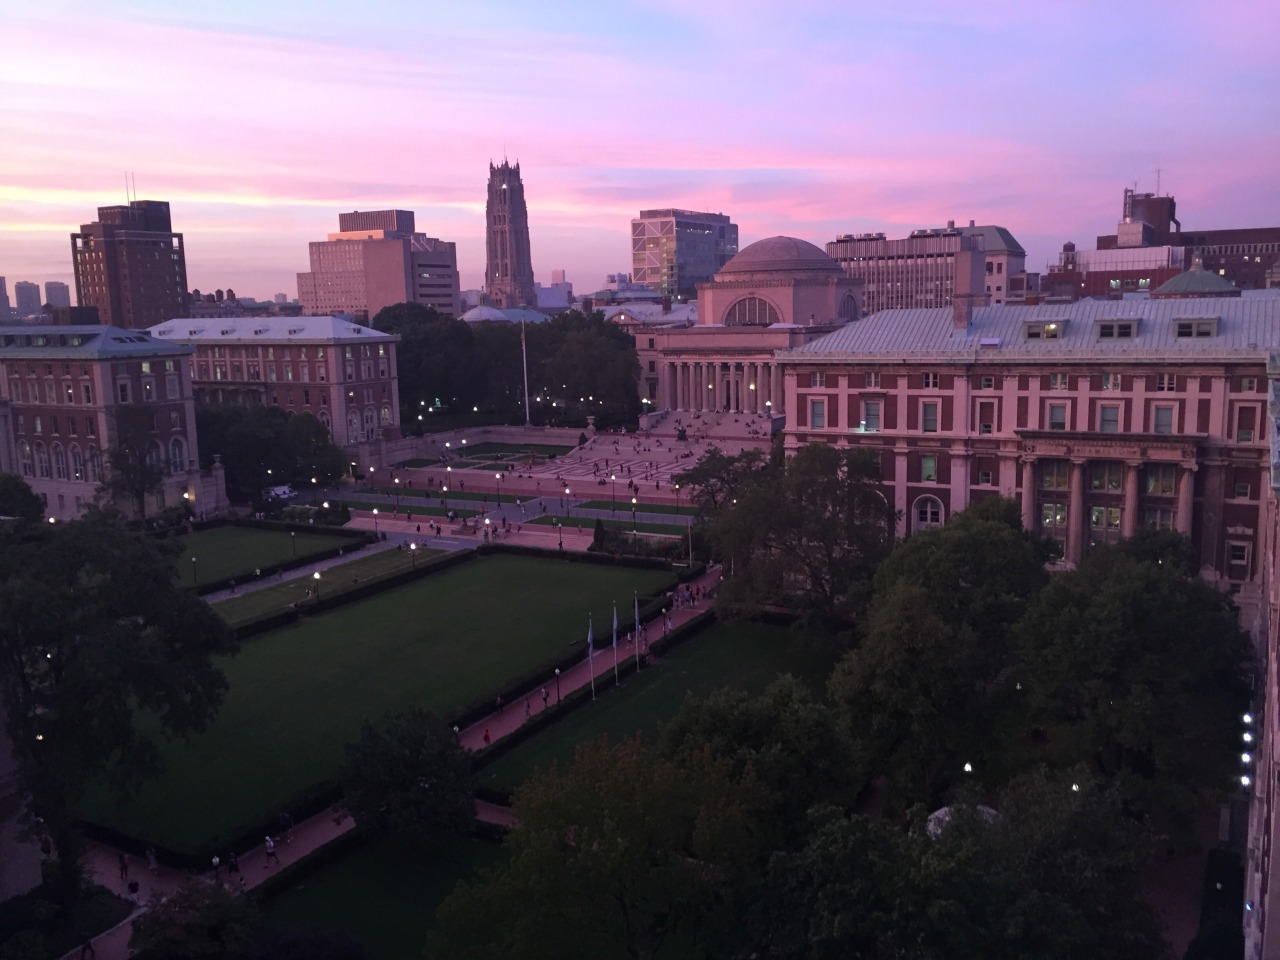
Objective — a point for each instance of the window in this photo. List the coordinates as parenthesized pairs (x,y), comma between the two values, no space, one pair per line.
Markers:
(873,381)
(985,478)
(77,464)
(177,455)
(1106,475)
(122,391)
(1109,419)
(1057,416)
(870,416)
(651,340)
(929,416)
(1195,328)
(1166,383)
(987,383)
(751,312)
(1104,518)
(1162,421)
(1237,553)
(817,414)
(1248,385)
(24,455)
(817,379)
(1055,475)
(306,397)
(1116,330)
(1246,418)
(929,469)
(986,418)
(148,391)
(1053,516)
(42,462)
(929,381)
(1111,381)
(1043,331)
(171,388)
(1242,491)
(1059,381)
(1162,479)
(928,512)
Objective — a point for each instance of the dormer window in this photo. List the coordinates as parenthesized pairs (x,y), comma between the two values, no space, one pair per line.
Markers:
(1117,329)
(1189,329)
(1049,330)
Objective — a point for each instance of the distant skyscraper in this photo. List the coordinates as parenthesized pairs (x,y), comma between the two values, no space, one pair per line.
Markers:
(131,265)
(281,298)
(57,294)
(5,310)
(28,297)
(375,260)
(673,251)
(508,274)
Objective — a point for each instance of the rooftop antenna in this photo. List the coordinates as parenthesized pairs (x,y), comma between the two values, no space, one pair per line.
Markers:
(1158,172)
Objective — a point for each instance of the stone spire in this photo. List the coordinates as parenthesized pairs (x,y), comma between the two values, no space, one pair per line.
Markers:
(508,275)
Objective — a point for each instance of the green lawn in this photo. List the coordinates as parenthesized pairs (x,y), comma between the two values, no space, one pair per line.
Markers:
(509,451)
(434,493)
(384,896)
(417,462)
(746,656)
(670,529)
(415,509)
(223,552)
(299,694)
(278,596)
(668,508)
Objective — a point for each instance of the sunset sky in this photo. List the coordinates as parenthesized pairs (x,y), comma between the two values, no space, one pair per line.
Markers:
(261,120)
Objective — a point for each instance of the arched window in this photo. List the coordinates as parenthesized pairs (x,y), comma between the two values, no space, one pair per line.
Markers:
(77,463)
(95,465)
(353,427)
(59,462)
(751,312)
(370,423)
(24,455)
(42,461)
(386,416)
(928,513)
(324,418)
(177,455)
(848,307)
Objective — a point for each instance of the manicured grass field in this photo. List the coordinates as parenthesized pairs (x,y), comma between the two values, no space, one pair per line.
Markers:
(417,462)
(670,529)
(407,494)
(334,580)
(668,508)
(745,656)
(223,552)
(299,694)
(510,451)
(383,896)
(388,510)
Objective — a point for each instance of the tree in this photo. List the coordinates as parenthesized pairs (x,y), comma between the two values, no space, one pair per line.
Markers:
(640,851)
(716,479)
(287,944)
(312,451)
(201,920)
(135,467)
(18,500)
(926,690)
(95,636)
(263,446)
(409,777)
(1137,668)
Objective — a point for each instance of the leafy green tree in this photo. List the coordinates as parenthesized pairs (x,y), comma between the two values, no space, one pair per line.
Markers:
(263,446)
(135,467)
(622,854)
(18,500)
(312,450)
(717,478)
(929,686)
(100,649)
(408,777)
(201,921)
(1137,668)
(291,944)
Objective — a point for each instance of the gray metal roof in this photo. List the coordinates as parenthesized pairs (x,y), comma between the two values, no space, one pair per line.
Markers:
(267,329)
(1246,328)
(88,341)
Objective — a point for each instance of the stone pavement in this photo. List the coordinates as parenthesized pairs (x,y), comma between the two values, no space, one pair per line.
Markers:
(102,862)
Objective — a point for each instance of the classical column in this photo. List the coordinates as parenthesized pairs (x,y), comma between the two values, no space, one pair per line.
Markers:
(683,381)
(753,397)
(1029,494)
(900,492)
(775,389)
(1129,514)
(698,388)
(721,391)
(762,388)
(1075,514)
(1186,496)
(959,482)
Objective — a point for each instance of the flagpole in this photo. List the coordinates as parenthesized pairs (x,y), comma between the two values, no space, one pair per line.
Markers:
(591,667)
(636,601)
(615,643)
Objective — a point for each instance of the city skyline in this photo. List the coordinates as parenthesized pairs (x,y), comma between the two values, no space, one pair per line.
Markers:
(812,121)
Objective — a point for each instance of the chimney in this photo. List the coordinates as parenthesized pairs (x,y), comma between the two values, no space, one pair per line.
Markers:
(961,311)
(666,305)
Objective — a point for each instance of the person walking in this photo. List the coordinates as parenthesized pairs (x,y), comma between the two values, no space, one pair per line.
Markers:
(545,696)
(487,739)
(233,865)
(527,710)
(217,869)
(271,853)
(152,862)
(123,862)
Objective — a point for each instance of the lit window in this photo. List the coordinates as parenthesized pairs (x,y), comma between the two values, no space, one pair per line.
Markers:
(929,469)
(871,416)
(1106,475)
(1162,479)
(1111,381)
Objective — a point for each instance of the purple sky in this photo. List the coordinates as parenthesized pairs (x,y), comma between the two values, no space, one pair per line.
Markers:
(261,120)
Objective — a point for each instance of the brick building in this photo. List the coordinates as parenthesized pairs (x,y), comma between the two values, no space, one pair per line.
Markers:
(65,390)
(343,373)
(131,265)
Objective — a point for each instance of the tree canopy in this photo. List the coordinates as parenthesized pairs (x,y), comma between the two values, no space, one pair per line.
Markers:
(264,446)
(18,500)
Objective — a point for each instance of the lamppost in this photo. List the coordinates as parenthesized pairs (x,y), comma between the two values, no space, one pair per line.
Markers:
(498,477)
(560,530)
(195,573)
(316,577)
(486,529)
(293,539)
(634,531)
(677,498)
(397,480)
(413,555)
(557,686)
(375,519)
(613,480)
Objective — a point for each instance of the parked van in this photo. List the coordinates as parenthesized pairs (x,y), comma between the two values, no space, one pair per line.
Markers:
(280,493)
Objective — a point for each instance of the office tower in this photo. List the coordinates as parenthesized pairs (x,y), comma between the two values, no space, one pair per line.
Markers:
(375,260)
(57,294)
(27,296)
(131,265)
(673,251)
(508,274)
(6,312)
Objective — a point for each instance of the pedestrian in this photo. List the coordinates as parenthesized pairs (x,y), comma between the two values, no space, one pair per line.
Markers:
(498,703)
(487,739)
(233,586)
(217,869)
(233,864)
(271,853)
(152,862)
(419,528)
(527,710)
(284,826)
(545,697)
(124,866)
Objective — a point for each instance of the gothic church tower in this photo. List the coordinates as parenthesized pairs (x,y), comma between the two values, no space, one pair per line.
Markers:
(508,274)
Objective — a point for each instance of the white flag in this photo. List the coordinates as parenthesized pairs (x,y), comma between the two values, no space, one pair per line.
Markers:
(615,626)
